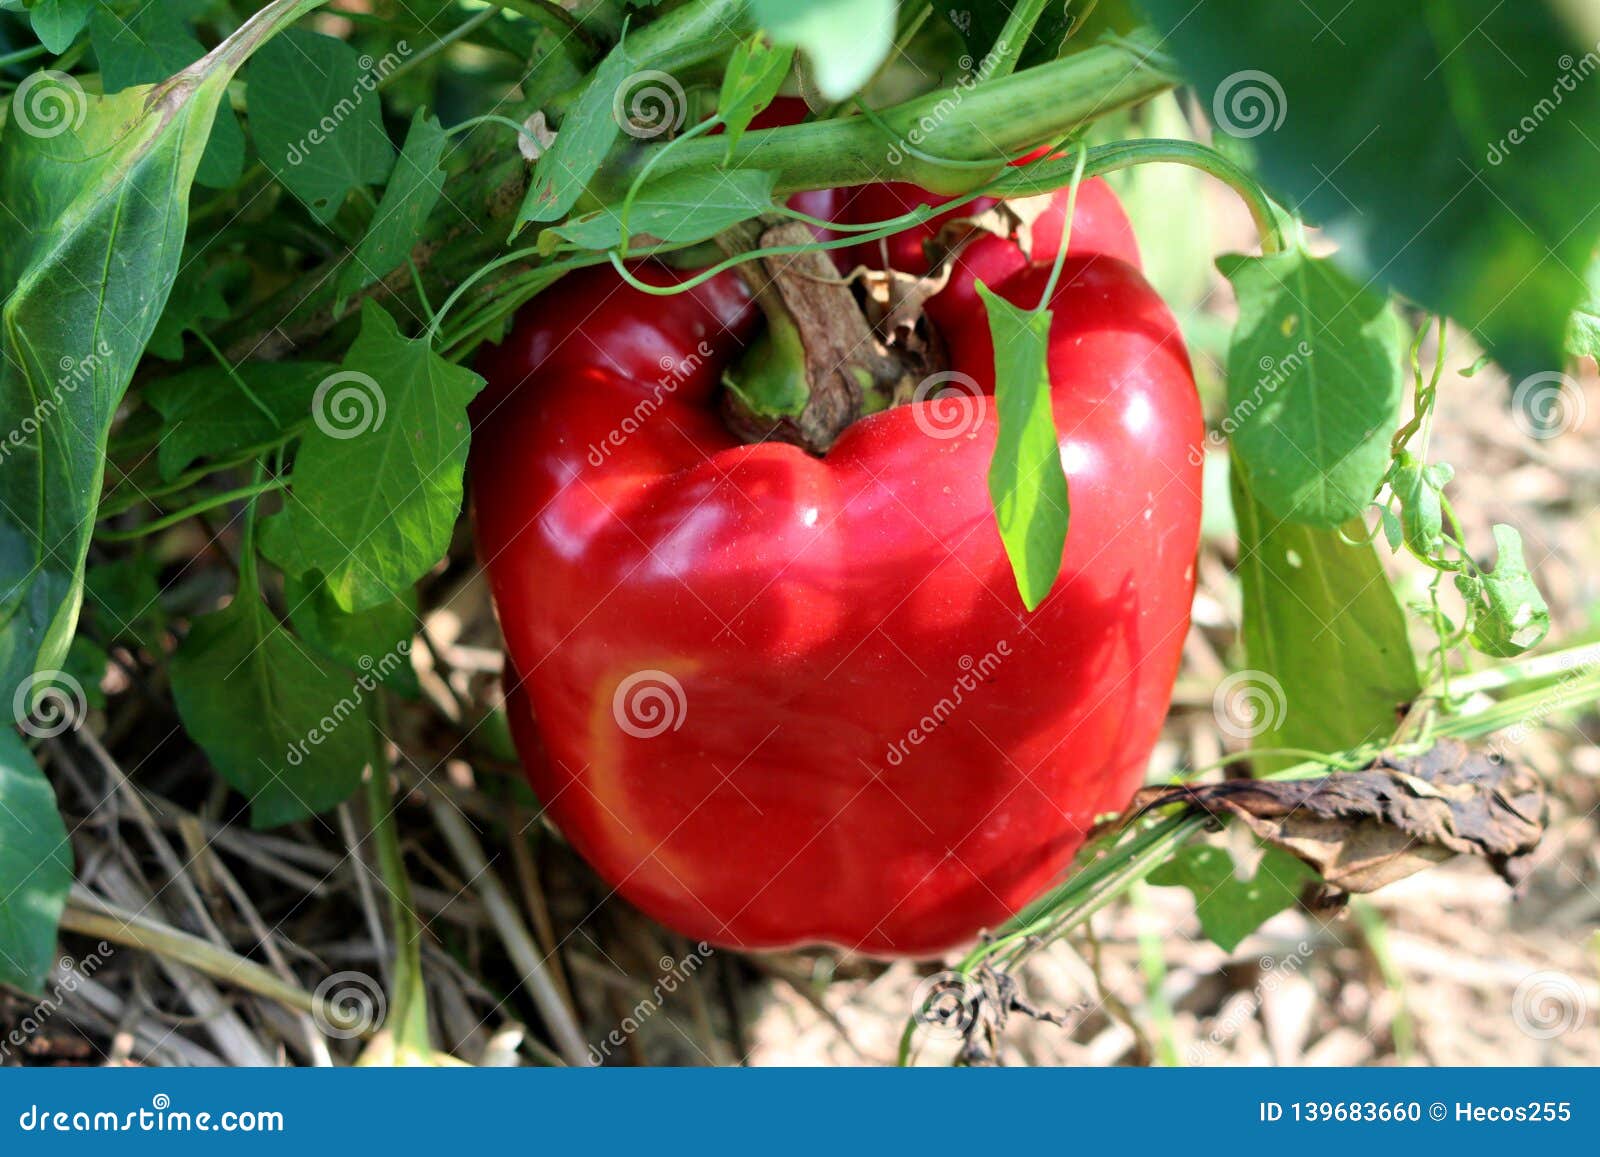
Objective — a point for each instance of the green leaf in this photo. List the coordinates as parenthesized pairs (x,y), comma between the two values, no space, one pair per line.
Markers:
(1330,663)
(1511,613)
(205,415)
(1314,385)
(413,190)
(283,727)
(149,45)
(315,118)
(125,601)
(57,22)
(1230,908)
(196,298)
(756,71)
(1447,148)
(980,24)
(682,208)
(35,867)
(96,206)
(1420,490)
(588,131)
(395,418)
(376,640)
(844,40)
(1026,479)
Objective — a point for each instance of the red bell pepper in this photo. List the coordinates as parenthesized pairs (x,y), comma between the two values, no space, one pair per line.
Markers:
(779,699)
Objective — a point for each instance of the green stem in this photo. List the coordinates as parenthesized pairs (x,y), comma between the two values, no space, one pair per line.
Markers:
(1376,933)
(1014,36)
(1153,962)
(1044,177)
(410,1015)
(233,375)
(1066,235)
(22,54)
(249,575)
(990,122)
(699,130)
(416,59)
(1037,105)
(188,512)
(490,118)
(188,478)
(1539,667)
(678,41)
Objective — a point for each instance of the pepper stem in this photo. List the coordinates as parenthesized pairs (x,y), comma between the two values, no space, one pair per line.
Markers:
(818,366)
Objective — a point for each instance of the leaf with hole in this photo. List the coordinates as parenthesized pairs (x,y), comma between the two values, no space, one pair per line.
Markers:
(756,71)
(1510,613)
(1231,908)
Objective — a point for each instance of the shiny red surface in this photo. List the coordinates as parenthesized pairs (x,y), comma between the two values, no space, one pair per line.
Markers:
(875,747)
(1099,226)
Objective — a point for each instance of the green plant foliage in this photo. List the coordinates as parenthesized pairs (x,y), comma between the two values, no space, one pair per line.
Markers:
(35,867)
(394,417)
(1314,385)
(1026,479)
(1323,633)
(1441,145)
(316,121)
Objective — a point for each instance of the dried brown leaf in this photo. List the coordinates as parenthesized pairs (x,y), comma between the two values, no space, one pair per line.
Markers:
(1364,829)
